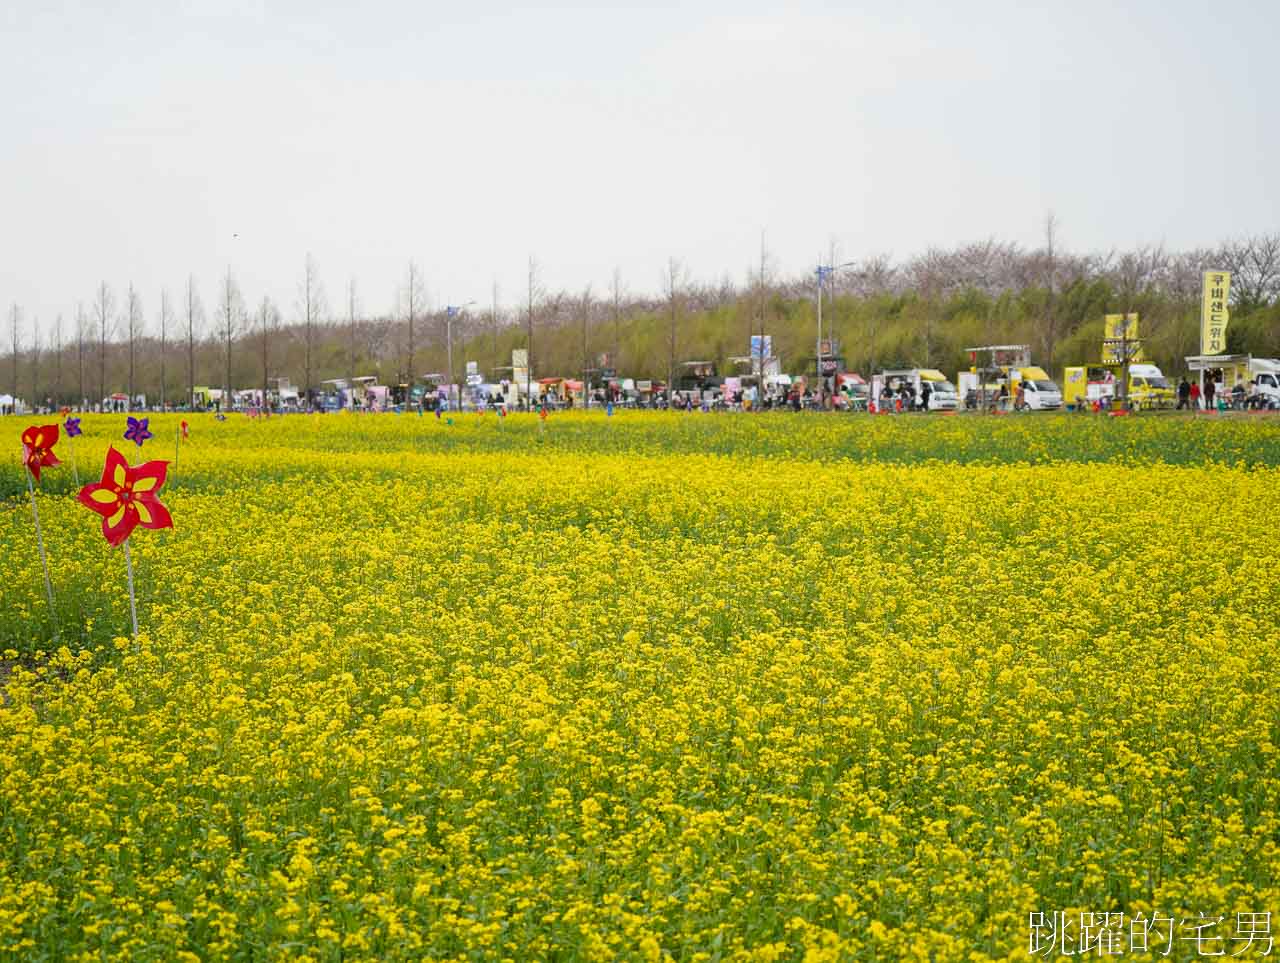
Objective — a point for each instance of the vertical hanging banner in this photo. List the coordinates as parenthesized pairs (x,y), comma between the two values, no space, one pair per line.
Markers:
(1213,312)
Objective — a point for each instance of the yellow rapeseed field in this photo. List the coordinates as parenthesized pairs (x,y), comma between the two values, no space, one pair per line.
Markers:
(656,686)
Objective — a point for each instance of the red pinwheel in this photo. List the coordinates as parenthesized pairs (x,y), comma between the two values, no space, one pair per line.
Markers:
(37,448)
(127,497)
(185,431)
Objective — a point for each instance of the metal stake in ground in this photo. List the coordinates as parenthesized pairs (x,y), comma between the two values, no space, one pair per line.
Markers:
(133,604)
(44,559)
(75,472)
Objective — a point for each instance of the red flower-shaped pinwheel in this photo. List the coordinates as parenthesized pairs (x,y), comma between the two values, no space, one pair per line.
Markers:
(37,448)
(126,497)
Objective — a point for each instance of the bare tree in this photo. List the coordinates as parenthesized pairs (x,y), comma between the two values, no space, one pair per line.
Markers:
(493,325)
(14,320)
(1254,264)
(134,329)
(761,283)
(195,314)
(82,332)
(872,276)
(351,330)
(534,292)
(56,346)
(104,311)
(378,333)
(311,303)
(672,281)
(414,297)
(1049,323)
(268,329)
(230,316)
(15,323)
(35,362)
(584,308)
(618,292)
(166,316)
(1138,271)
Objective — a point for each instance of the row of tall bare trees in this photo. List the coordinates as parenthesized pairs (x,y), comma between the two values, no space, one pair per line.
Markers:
(911,311)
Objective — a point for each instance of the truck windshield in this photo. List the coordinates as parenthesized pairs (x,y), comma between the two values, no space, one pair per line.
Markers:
(942,387)
(1151,382)
(1042,385)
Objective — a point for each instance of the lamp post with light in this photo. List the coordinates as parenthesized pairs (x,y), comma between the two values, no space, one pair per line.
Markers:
(452,311)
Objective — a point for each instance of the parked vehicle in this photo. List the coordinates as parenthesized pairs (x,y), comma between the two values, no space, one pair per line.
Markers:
(1087,385)
(942,393)
(1039,391)
(1149,388)
(852,391)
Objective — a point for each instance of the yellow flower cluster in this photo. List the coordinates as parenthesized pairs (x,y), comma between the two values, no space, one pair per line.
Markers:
(655,686)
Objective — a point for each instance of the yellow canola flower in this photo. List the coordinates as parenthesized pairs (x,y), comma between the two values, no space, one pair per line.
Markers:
(656,686)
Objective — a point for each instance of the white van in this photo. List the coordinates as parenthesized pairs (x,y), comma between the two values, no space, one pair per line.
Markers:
(942,393)
(1266,374)
(1039,391)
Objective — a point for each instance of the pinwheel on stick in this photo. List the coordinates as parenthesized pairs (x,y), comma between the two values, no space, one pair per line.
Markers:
(127,497)
(37,453)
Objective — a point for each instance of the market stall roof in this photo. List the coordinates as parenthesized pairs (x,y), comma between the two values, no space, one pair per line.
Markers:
(572,385)
(1207,362)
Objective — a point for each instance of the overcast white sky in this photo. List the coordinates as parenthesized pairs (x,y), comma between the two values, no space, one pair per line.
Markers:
(137,139)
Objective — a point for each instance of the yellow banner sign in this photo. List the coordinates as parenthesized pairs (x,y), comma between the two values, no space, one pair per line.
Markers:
(1213,313)
(1117,330)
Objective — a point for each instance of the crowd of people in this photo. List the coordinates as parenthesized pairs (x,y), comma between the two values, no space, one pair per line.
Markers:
(1241,397)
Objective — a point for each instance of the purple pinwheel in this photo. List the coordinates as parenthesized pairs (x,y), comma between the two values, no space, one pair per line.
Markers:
(71,426)
(137,431)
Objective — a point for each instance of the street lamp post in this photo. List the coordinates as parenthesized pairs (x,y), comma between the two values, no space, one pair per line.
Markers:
(823,272)
(452,311)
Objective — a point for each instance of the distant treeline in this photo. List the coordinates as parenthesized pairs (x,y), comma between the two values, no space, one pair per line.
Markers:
(923,311)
